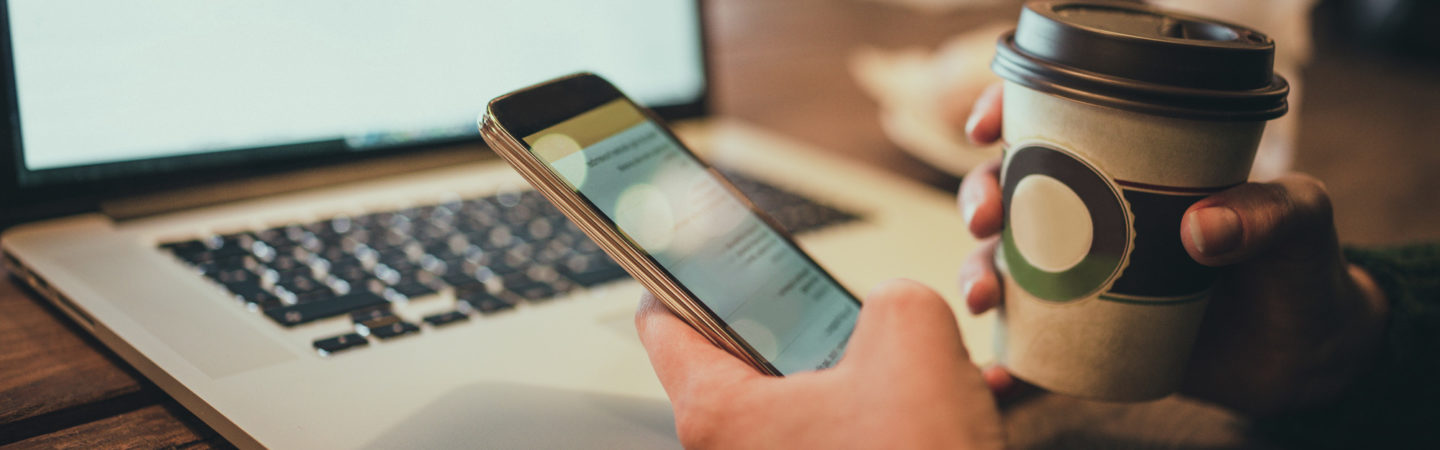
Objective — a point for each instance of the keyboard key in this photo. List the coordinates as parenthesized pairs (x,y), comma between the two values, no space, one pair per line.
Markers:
(518,281)
(301,284)
(460,279)
(592,270)
(394,330)
(381,321)
(413,290)
(231,275)
(338,225)
(587,246)
(483,301)
(264,300)
(192,250)
(535,292)
(306,312)
(450,248)
(229,245)
(434,265)
(403,270)
(276,237)
(508,262)
(249,290)
(391,239)
(508,198)
(355,275)
(287,262)
(514,244)
(318,295)
(416,213)
(339,258)
(794,212)
(398,255)
(498,237)
(370,314)
(335,344)
(540,228)
(446,318)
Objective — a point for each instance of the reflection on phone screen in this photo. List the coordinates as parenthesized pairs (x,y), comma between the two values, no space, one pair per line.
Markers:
(664,201)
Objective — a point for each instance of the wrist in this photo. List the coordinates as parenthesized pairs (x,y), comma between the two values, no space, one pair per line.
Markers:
(1391,403)
(1355,348)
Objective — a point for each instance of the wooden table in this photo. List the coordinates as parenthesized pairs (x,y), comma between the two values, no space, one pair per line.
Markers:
(1369,131)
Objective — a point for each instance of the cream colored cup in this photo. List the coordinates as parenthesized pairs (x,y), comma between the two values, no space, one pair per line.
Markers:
(1117,118)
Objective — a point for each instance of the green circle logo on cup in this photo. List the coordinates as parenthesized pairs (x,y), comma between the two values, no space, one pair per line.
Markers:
(1067,229)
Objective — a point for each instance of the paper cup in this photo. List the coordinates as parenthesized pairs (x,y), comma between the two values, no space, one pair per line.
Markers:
(1104,152)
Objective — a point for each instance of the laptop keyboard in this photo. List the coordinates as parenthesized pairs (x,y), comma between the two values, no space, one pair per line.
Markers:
(492,253)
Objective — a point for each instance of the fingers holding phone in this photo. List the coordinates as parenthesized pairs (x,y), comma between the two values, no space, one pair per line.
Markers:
(906,381)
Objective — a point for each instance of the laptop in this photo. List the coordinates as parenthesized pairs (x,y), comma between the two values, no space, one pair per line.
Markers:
(281,213)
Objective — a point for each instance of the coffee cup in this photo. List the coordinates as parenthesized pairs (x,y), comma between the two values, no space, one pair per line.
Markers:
(1117,118)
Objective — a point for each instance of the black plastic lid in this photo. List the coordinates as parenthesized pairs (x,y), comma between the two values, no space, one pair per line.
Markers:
(1139,58)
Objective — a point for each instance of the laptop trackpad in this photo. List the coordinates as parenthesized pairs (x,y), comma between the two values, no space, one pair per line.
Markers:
(177,307)
(497,415)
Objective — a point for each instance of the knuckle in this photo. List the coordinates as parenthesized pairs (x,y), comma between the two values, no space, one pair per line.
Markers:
(1306,198)
(1267,195)
(1309,195)
(1292,200)
(695,426)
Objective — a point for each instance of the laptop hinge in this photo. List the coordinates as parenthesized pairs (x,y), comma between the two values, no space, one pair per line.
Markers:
(288,182)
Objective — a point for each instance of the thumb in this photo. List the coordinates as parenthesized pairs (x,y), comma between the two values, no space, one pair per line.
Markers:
(686,363)
(906,323)
(1289,218)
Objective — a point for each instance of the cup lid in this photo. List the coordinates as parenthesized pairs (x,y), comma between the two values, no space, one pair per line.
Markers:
(1140,58)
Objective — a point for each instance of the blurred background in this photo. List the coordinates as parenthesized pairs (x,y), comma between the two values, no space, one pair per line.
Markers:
(888,82)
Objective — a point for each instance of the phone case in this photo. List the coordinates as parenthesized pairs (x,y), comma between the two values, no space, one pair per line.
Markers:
(639,266)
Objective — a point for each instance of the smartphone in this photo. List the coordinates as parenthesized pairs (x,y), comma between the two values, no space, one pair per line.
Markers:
(673,222)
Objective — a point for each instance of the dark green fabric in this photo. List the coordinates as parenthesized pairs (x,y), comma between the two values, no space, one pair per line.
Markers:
(1397,405)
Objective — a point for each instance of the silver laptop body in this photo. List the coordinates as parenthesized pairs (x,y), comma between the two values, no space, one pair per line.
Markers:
(171,190)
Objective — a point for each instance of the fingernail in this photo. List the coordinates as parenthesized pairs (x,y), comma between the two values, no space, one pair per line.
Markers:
(971,123)
(970,202)
(999,381)
(1215,230)
(965,289)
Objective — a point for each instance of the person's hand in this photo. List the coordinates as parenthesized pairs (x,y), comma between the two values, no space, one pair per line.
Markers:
(1290,323)
(906,381)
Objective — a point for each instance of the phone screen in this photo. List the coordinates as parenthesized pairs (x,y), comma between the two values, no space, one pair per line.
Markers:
(666,203)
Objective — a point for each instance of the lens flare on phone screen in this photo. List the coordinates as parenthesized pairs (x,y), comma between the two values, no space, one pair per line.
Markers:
(644,212)
(683,217)
(553,148)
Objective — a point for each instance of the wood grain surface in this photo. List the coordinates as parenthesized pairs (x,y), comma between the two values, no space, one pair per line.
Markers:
(162,425)
(48,364)
(1369,131)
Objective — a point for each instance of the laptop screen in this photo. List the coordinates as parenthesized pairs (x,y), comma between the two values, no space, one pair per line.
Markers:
(115,89)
